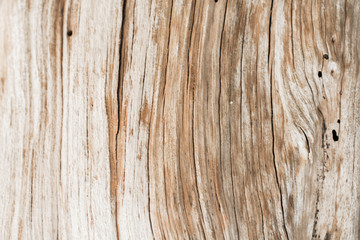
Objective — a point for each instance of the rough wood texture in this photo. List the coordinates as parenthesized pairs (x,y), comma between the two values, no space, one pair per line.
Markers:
(179,119)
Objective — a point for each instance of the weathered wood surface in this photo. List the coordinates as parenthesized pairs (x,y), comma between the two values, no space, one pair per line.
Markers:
(181,119)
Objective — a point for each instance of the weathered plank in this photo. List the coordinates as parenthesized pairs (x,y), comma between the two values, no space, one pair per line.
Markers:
(179,119)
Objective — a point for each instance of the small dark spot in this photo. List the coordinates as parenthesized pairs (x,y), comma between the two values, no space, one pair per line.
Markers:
(332,72)
(326,56)
(335,136)
(320,74)
(323,134)
(216,0)
(338,121)
(69,33)
(333,39)
(328,236)
(291,201)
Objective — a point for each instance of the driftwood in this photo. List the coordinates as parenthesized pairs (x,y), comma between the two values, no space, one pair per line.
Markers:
(181,119)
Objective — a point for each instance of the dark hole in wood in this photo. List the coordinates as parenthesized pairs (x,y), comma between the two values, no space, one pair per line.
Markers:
(328,236)
(326,56)
(335,136)
(320,74)
(216,0)
(338,120)
(69,33)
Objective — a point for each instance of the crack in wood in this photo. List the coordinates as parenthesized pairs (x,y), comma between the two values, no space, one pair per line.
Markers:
(119,104)
(272,127)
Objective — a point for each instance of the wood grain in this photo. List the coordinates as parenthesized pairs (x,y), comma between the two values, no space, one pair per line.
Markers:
(179,119)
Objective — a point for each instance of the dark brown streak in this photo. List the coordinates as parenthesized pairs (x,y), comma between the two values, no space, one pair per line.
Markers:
(133,31)
(258,152)
(180,184)
(61,5)
(163,107)
(241,117)
(148,151)
(273,152)
(306,138)
(148,168)
(190,85)
(219,105)
(231,167)
(271,8)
